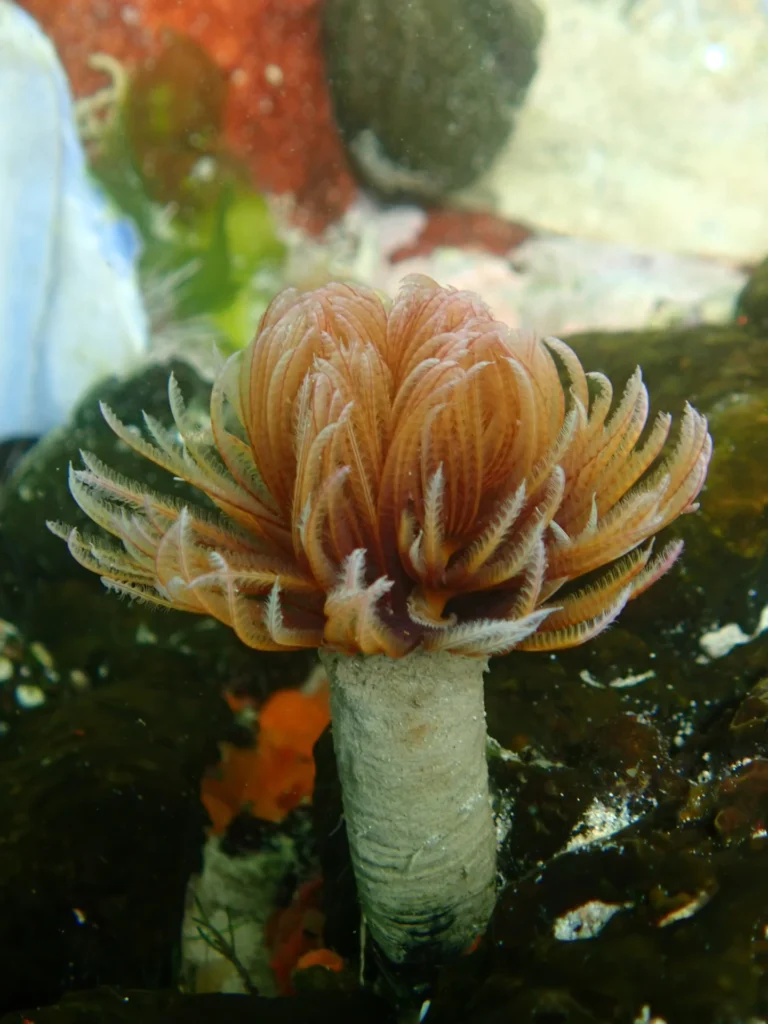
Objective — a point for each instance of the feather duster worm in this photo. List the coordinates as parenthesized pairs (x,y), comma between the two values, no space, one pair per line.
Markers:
(400,484)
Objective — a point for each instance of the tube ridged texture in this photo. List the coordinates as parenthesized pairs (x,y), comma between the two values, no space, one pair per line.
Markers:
(410,741)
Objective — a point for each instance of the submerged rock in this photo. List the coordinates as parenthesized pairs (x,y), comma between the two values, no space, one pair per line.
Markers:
(102,825)
(633,771)
(608,146)
(662,919)
(425,91)
(132,1006)
(39,490)
(752,307)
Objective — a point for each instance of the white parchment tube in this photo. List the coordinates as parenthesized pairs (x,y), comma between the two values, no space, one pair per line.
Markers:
(410,742)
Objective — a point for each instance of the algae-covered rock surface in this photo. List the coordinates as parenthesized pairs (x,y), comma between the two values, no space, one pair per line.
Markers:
(753,302)
(126,1006)
(631,778)
(110,714)
(38,488)
(101,827)
(619,911)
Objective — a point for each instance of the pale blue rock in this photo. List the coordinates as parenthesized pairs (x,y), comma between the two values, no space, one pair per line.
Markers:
(70,306)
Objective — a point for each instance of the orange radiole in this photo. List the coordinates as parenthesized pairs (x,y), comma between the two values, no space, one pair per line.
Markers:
(399,474)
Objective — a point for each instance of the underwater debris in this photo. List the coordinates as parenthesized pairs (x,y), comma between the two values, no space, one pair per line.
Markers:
(721,640)
(222,944)
(400,483)
(70,307)
(237,897)
(97,114)
(585,921)
(325,958)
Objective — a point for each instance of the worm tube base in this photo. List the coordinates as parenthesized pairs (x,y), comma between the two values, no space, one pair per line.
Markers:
(410,740)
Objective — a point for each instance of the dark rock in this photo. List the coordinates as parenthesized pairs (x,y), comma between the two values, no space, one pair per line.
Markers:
(342,911)
(425,91)
(636,766)
(38,488)
(667,914)
(102,825)
(752,307)
(657,662)
(53,600)
(126,1006)
(11,453)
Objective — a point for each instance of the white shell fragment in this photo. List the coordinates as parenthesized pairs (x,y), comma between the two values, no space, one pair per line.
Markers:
(29,696)
(586,921)
(721,641)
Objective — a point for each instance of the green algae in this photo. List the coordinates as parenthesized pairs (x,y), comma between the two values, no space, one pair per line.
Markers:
(206,232)
(738,477)
(172,118)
